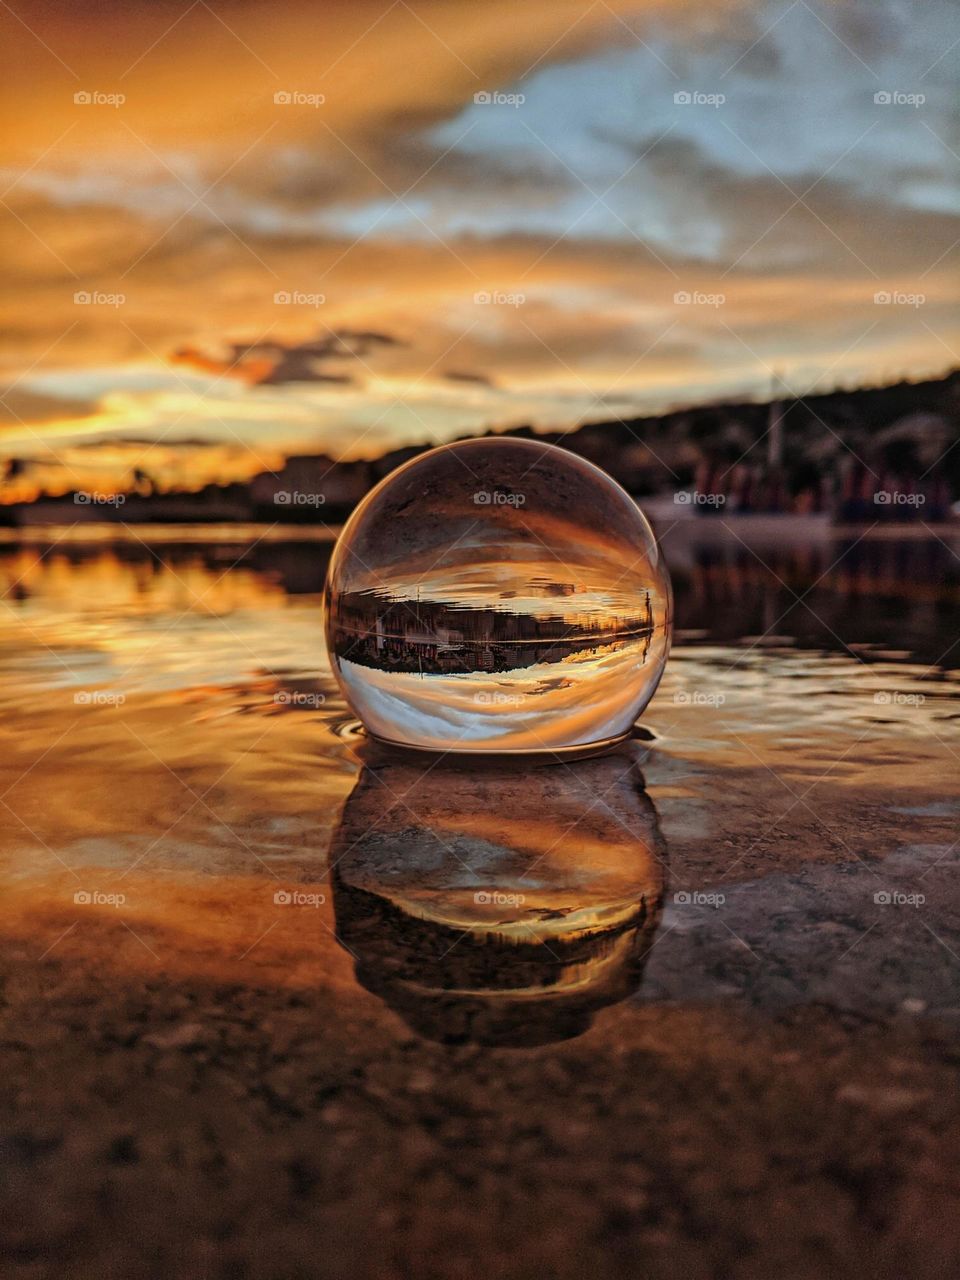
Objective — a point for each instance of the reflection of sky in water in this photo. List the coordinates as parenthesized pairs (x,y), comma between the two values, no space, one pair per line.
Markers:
(142,626)
(203,775)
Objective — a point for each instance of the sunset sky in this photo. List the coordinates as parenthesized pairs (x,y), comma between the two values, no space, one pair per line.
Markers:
(301,232)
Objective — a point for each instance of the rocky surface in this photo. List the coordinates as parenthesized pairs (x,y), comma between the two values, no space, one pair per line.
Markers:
(154,1128)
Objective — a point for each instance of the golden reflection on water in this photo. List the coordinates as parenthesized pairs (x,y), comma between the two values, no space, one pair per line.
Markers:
(105,582)
(137,620)
(171,731)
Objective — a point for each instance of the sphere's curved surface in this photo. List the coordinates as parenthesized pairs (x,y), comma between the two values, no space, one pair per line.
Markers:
(498,595)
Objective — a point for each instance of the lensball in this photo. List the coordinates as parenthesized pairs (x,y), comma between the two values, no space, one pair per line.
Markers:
(498,596)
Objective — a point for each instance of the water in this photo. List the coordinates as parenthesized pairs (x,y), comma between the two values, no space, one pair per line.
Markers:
(173,736)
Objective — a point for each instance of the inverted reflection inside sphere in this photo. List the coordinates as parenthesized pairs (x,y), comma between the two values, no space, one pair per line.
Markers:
(498,595)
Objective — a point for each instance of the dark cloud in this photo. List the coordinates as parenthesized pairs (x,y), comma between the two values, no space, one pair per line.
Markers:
(95,443)
(838,224)
(18,405)
(275,363)
(478,379)
(324,172)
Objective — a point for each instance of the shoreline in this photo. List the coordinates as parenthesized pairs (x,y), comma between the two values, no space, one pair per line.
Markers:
(705,529)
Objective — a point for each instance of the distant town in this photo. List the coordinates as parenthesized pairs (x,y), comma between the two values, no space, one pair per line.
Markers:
(432,637)
(884,453)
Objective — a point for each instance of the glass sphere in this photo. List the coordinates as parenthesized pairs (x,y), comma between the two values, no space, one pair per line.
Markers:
(498,595)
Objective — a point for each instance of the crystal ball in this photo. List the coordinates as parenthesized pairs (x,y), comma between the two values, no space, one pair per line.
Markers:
(498,596)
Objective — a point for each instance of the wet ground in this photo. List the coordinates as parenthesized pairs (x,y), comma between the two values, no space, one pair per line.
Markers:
(276,1004)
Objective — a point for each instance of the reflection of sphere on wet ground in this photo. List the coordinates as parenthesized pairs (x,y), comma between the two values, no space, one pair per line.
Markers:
(498,595)
(486,904)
